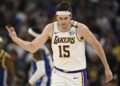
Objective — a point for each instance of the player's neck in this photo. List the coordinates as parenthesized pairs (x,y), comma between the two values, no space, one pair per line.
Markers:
(65,28)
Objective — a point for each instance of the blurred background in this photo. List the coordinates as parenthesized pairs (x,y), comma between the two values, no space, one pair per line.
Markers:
(101,16)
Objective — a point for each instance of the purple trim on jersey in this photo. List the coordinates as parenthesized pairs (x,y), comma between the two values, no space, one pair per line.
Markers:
(84,78)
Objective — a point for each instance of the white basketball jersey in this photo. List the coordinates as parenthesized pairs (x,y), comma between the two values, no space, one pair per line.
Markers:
(68,51)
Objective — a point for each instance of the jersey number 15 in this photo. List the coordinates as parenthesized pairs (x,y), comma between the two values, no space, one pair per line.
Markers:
(64,51)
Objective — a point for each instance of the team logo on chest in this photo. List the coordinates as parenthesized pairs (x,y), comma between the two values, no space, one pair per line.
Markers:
(71,33)
(64,40)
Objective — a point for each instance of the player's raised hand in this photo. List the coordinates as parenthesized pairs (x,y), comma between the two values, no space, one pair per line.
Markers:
(109,75)
(11,32)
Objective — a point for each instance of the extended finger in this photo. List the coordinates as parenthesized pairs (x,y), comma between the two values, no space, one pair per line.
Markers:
(12,29)
(7,28)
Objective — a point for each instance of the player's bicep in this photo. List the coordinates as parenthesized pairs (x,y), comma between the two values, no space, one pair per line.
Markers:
(40,39)
(88,36)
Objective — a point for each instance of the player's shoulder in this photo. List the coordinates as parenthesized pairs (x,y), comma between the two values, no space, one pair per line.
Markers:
(81,26)
(48,29)
(50,25)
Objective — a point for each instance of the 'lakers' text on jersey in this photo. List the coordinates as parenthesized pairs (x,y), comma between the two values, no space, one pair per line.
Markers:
(64,40)
(68,50)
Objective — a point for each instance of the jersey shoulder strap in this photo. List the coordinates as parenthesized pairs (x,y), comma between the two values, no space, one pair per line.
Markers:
(75,24)
(55,26)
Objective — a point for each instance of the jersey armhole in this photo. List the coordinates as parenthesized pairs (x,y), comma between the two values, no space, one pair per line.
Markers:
(79,39)
(1,53)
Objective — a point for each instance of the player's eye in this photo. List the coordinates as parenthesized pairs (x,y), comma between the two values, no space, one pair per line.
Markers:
(61,18)
(66,18)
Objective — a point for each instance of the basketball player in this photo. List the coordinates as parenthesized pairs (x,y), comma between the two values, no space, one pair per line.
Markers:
(68,45)
(6,64)
(41,67)
(41,64)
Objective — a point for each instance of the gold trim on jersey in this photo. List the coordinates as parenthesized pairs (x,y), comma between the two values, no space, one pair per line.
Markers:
(4,59)
(79,39)
(34,58)
(1,53)
(3,56)
(81,79)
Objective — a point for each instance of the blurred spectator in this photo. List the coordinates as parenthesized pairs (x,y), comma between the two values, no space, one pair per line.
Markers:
(41,63)
(6,64)
(41,68)
(22,65)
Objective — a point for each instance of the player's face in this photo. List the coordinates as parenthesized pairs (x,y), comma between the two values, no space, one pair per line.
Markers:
(63,20)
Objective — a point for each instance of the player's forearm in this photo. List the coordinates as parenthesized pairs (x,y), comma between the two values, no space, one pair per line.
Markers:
(25,44)
(102,56)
